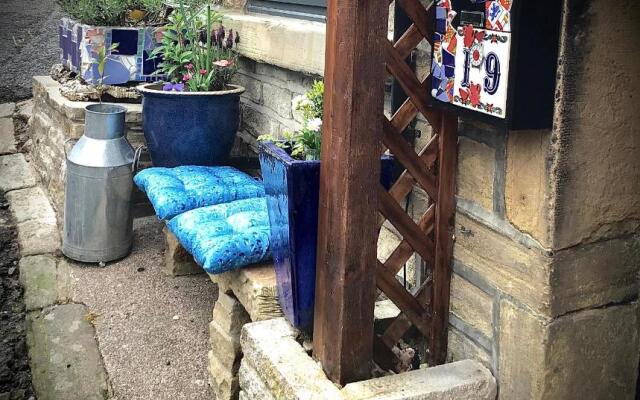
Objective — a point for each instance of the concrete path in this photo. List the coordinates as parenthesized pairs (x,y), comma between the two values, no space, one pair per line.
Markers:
(125,331)
(152,328)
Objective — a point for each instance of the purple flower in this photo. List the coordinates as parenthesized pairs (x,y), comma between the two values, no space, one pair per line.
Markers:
(178,87)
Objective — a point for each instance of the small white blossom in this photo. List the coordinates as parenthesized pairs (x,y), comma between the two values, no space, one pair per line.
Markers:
(314,124)
(300,101)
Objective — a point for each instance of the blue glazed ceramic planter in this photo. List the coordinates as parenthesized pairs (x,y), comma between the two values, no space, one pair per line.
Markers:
(292,189)
(189,128)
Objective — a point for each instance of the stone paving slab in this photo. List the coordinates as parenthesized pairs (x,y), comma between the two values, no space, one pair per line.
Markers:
(7,109)
(64,356)
(38,237)
(15,173)
(7,136)
(45,281)
(30,204)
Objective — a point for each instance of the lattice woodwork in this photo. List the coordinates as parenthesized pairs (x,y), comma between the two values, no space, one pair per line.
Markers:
(432,169)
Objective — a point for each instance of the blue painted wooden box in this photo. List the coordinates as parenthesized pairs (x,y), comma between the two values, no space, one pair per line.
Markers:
(292,189)
(79,44)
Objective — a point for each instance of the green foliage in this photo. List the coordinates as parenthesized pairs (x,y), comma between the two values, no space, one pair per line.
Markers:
(114,12)
(196,49)
(305,143)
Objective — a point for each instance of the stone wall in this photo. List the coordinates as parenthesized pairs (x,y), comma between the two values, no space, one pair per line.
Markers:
(56,122)
(547,227)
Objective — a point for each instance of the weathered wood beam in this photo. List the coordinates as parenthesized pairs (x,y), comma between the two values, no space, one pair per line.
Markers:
(445,211)
(349,181)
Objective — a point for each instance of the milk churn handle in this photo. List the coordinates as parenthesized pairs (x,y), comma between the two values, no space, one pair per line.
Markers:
(136,158)
(64,146)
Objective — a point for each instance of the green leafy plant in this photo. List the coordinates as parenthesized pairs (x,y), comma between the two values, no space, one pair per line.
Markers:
(197,53)
(306,142)
(115,12)
(102,55)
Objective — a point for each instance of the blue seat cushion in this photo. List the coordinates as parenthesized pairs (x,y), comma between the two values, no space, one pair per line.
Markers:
(226,236)
(173,191)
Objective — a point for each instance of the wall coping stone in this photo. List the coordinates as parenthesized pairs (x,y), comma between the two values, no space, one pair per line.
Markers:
(273,355)
(289,43)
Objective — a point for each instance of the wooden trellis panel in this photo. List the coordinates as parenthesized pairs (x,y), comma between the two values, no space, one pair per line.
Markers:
(433,169)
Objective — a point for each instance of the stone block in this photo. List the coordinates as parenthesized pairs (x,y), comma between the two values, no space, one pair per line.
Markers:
(461,347)
(289,43)
(503,264)
(38,237)
(253,87)
(587,354)
(527,183)
(388,240)
(476,171)
(45,281)
(595,274)
(471,305)
(64,356)
(277,99)
(15,173)
(30,204)
(384,312)
(462,380)
(258,122)
(282,364)
(177,261)
(251,384)
(7,110)
(255,288)
(7,136)
(224,382)
(229,314)
(225,347)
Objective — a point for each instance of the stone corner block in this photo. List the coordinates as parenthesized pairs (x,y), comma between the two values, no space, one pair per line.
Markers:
(461,380)
(15,173)
(45,281)
(7,138)
(177,260)
(64,356)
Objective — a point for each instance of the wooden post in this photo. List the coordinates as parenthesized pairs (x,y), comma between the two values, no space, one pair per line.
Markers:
(349,181)
(445,210)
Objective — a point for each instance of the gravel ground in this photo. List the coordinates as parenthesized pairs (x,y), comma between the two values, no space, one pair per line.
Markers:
(28,44)
(15,375)
(152,329)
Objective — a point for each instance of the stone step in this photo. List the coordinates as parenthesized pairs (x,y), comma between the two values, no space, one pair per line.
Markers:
(7,136)
(15,173)
(36,221)
(46,281)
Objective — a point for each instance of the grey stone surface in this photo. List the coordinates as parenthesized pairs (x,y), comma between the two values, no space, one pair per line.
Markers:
(38,237)
(45,281)
(152,328)
(252,385)
(7,110)
(7,136)
(178,261)
(462,380)
(30,204)
(15,173)
(282,364)
(65,361)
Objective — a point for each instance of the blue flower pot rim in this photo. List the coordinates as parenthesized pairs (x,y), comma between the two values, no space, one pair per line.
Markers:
(156,89)
(272,149)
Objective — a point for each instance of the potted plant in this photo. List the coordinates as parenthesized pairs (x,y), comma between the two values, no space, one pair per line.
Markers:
(290,169)
(128,23)
(192,119)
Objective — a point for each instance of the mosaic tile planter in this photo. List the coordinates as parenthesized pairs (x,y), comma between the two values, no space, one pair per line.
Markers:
(131,61)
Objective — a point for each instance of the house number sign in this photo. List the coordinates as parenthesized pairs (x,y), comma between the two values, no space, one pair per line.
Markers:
(471,54)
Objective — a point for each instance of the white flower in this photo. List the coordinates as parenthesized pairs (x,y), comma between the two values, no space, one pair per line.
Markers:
(300,101)
(314,124)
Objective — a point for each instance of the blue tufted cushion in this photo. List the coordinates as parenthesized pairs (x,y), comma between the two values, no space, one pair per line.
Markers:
(173,191)
(225,236)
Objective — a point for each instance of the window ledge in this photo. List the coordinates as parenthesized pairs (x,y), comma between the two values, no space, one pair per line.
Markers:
(289,43)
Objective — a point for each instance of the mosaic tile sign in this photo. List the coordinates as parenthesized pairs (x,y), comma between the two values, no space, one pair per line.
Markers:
(80,43)
(471,50)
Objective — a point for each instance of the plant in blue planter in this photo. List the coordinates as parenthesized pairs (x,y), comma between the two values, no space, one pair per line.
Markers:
(291,173)
(192,119)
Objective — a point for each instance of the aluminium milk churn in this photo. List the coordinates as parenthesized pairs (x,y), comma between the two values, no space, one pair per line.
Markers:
(98,222)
